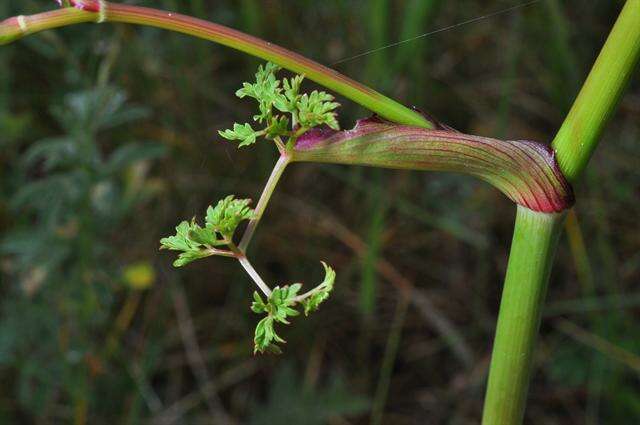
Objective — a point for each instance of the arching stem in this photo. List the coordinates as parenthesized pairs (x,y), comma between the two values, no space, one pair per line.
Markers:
(102,11)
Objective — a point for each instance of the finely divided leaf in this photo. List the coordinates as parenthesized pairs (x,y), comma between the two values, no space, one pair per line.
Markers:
(266,337)
(275,97)
(277,127)
(197,242)
(316,109)
(205,236)
(278,307)
(266,90)
(188,256)
(228,214)
(321,292)
(258,305)
(289,102)
(242,132)
(181,240)
(266,83)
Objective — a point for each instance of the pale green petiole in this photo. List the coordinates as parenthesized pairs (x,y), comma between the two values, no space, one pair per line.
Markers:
(279,168)
(246,264)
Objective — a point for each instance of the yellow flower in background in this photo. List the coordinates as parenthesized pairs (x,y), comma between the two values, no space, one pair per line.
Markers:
(139,275)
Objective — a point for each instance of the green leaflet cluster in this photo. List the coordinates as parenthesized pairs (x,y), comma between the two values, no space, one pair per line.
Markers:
(281,304)
(283,111)
(197,242)
(221,221)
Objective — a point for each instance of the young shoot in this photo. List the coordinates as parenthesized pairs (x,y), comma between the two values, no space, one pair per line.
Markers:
(280,305)
(197,242)
(284,114)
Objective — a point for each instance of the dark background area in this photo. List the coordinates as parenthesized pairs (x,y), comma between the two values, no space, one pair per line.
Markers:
(108,138)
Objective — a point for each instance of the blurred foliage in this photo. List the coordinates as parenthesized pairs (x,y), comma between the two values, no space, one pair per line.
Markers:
(291,403)
(108,137)
(57,257)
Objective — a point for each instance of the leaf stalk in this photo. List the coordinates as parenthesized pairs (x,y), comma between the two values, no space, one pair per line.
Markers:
(251,271)
(267,192)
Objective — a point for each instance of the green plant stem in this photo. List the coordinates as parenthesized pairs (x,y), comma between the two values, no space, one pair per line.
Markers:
(532,251)
(248,267)
(221,252)
(274,178)
(536,234)
(246,264)
(11,30)
(597,100)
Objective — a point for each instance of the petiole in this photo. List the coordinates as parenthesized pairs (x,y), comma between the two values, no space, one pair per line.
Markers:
(282,163)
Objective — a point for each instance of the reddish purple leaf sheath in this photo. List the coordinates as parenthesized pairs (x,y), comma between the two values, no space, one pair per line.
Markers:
(525,171)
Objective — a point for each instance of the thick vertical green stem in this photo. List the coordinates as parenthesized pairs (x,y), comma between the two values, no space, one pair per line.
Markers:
(579,134)
(536,234)
(532,251)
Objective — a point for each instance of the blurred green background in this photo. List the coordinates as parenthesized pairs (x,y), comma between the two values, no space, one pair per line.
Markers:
(108,138)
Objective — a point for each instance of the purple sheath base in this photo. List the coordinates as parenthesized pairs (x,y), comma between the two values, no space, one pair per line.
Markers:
(525,171)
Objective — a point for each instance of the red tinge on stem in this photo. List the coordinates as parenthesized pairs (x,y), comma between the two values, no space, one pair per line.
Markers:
(86,5)
(525,171)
